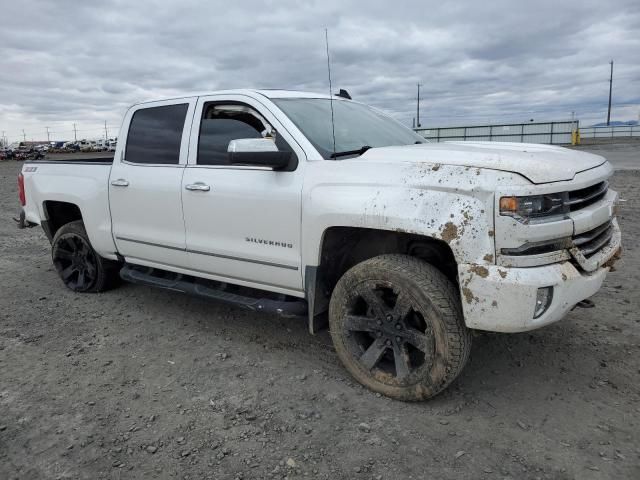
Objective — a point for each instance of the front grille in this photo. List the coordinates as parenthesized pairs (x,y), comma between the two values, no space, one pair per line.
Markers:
(589,243)
(586,196)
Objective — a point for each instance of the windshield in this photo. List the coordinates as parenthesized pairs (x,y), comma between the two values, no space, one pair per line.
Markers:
(356,125)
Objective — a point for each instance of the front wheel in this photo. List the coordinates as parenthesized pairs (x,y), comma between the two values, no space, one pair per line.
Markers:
(397,326)
(79,266)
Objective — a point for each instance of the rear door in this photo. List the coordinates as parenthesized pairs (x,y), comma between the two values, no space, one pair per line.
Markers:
(145,192)
(242,222)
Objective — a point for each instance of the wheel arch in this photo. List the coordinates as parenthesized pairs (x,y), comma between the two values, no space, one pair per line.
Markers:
(343,247)
(58,213)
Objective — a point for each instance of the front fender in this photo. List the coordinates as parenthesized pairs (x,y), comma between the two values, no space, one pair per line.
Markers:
(463,219)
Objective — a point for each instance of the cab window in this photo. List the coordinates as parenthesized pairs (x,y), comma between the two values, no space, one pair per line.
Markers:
(222,123)
(155,135)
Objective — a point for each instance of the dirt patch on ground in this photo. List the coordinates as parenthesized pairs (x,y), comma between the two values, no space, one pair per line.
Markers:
(145,383)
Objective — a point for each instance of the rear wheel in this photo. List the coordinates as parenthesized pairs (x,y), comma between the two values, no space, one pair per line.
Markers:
(397,326)
(79,266)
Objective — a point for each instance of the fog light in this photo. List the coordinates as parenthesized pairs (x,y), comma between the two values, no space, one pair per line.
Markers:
(543,300)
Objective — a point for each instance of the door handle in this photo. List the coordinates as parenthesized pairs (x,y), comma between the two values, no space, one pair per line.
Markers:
(121,182)
(198,186)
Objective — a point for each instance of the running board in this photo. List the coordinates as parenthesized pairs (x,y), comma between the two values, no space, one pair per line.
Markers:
(212,290)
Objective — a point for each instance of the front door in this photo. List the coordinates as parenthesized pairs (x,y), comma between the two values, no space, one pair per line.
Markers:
(145,184)
(242,223)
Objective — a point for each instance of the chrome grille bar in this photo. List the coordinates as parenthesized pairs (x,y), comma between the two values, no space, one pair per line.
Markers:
(586,196)
(592,241)
(586,237)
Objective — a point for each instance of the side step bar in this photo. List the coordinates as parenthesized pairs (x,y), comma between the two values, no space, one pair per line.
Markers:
(211,290)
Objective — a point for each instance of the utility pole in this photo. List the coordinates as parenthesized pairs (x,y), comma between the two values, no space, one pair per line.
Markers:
(24,135)
(418,109)
(48,139)
(106,133)
(610,88)
(75,134)
(4,142)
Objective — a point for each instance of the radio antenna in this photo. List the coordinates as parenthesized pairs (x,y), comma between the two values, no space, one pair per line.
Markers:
(333,128)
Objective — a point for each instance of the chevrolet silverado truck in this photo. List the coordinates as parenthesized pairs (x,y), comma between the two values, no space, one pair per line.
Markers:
(321,207)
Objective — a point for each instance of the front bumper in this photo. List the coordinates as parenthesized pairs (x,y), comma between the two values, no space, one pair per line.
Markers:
(502,299)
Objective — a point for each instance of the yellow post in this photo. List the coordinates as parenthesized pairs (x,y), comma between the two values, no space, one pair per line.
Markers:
(575,137)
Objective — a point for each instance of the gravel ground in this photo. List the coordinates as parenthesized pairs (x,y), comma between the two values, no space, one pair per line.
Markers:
(623,154)
(142,383)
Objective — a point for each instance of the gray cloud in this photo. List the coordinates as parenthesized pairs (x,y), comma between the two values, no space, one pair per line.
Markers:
(85,62)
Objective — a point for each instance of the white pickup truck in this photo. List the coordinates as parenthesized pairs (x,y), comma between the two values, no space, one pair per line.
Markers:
(258,198)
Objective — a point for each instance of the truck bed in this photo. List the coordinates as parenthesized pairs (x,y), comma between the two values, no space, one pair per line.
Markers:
(81,180)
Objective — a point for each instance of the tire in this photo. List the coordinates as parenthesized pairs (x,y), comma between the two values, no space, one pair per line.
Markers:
(79,266)
(397,326)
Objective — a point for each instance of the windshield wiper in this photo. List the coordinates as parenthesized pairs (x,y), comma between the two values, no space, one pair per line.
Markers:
(359,151)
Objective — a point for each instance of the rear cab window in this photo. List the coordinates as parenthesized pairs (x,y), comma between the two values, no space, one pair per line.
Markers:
(155,135)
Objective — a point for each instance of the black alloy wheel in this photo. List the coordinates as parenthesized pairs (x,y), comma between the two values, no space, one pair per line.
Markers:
(387,333)
(397,325)
(76,262)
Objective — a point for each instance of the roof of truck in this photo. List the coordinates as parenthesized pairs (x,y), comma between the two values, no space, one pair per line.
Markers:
(291,94)
(275,93)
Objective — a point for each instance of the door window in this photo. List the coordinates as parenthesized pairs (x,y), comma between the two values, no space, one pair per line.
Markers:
(155,135)
(222,123)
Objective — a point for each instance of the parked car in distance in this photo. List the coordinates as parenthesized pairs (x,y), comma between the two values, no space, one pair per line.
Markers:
(85,145)
(253,197)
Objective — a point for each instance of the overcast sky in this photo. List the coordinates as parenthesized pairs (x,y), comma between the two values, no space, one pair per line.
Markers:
(67,61)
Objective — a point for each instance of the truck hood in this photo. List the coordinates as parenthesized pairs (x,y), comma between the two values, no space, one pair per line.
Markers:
(538,163)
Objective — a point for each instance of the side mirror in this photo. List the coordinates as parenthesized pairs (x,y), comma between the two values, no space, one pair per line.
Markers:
(258,152)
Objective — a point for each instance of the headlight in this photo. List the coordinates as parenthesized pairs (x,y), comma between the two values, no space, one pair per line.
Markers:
(533,206)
